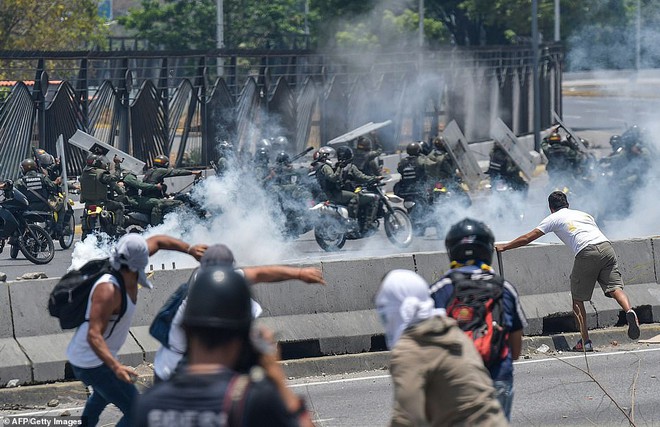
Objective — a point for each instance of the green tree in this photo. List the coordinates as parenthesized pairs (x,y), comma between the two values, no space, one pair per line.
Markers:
(186,24)
(50,25)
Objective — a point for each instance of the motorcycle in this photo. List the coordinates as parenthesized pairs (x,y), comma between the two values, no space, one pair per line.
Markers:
(333,226)
(18,228)
(48,220)
(96,219)
(427,209)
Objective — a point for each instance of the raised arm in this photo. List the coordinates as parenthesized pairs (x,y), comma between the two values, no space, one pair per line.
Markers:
(519,241)
(278,273)
(161,241)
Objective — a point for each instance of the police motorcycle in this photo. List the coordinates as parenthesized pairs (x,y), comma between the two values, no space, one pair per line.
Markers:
(15,227)
(293,198)
(334,226)
(48,220)
(136,221)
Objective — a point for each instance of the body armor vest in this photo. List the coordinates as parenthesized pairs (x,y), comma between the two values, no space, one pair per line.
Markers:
(91,187)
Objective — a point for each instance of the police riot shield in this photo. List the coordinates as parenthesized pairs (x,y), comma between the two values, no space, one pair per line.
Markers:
(88,143)
(505,138)
(358,132)
(459,150)
(59,147)
(570,133)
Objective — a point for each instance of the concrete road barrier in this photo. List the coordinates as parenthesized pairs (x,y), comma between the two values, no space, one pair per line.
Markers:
(312,320)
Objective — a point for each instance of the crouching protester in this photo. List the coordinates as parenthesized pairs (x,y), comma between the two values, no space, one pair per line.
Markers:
(93,349)
(438,375)
(210,390)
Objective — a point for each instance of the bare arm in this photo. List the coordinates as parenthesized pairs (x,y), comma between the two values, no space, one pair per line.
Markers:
(278,273)
(515,343)
(106,300)
(161,241)
(519,241)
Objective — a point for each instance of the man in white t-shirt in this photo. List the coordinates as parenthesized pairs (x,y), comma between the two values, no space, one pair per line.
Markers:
(595,260)
(93,349)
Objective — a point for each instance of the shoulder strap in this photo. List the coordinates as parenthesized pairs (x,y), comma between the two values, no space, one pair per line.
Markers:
(234,402)
(124,299)
(39,196)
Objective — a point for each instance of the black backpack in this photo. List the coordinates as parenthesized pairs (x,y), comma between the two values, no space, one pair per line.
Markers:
(68,300)
(478,307)
(162,323)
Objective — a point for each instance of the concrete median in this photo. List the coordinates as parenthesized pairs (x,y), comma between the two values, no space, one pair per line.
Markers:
(335,319)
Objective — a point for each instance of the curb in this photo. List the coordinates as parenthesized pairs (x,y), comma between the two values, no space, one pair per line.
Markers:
(35,397)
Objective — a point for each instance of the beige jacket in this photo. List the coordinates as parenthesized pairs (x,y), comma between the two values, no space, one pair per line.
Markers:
(440,380)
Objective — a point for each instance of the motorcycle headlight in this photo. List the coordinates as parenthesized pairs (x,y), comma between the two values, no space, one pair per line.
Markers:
(408,204)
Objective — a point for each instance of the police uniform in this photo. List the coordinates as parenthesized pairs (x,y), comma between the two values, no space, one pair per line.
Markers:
(95,184)
(37,188)
(501,166)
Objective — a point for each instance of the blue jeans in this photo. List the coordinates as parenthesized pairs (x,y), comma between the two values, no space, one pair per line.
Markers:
(504,393)
(107,389)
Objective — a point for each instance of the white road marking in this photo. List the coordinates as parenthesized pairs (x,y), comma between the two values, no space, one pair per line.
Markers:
(566,116)
(373,377)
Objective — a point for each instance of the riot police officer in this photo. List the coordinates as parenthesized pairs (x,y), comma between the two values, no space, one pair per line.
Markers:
(225,154)
(97,187)
(329,180)
(40,191)
(351,177)
(159,172)
(366,158)
(414,170)
(564,159)
(51,165)
(502,167)
(444,169)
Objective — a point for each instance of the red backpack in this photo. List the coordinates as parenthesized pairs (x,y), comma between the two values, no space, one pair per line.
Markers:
(477,306)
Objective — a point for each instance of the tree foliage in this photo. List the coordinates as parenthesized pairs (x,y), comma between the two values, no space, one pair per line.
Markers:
(50,25)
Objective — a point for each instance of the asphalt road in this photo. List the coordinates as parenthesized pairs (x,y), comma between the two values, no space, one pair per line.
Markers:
(548,392)
(615,113)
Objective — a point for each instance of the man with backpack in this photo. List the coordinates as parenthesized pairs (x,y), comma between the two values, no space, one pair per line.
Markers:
(108,312)
(212,389)
(167,327)
(485,305)
(595,261)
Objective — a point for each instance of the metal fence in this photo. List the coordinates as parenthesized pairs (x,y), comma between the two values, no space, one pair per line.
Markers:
(183,103)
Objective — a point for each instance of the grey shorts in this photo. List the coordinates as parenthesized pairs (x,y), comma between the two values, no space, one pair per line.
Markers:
(595,263)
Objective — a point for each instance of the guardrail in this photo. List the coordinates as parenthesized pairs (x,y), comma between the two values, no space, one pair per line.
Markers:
(334,319)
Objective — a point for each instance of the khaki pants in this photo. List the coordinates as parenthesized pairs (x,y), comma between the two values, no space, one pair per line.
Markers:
(595,263)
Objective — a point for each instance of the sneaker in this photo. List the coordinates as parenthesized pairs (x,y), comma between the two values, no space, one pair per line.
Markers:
(586,347)
(633,325)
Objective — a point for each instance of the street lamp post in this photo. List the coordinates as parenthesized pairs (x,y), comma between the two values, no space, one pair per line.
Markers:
(535,76)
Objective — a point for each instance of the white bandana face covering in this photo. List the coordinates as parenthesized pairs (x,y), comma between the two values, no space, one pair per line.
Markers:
(402,301)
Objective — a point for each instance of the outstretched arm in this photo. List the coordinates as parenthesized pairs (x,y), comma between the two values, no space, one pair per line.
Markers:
(279,273)
(519,241)
(161,241)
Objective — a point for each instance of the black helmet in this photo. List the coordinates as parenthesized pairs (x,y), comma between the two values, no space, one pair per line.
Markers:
(554,138)
(44,158)
(283,158)
(363,144)
(470,239)
(96,161)
(344,153)
(161,161)
(324,153)
(218,297)
(262,156)
(413,149)
(439,142)
(28,165)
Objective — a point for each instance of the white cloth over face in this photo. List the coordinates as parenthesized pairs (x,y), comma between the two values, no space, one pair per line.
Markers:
(403,300)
